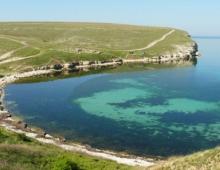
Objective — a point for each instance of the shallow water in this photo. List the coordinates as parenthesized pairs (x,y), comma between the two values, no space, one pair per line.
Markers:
(154,112)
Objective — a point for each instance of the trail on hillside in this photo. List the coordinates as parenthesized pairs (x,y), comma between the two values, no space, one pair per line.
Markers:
(5,58)
(155,42)
(12,39)
(9,53)
(19,58)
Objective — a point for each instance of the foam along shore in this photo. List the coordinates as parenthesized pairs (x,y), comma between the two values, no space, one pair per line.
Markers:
(188,53)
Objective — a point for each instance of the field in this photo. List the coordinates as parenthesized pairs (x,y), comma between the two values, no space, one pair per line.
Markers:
(24,46)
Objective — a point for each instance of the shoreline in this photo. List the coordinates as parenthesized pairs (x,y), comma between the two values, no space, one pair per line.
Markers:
(9,123)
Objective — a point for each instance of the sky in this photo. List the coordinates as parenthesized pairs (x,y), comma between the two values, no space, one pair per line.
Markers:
(198,17)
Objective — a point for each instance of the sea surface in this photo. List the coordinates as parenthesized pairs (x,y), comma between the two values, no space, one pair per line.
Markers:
(157,112)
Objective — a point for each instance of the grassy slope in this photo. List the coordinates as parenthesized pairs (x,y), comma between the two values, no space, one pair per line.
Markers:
(58,42)
(8,45)
(18,152)
(205,160)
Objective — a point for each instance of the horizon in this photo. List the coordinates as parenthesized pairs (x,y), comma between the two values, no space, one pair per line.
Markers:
(191,16)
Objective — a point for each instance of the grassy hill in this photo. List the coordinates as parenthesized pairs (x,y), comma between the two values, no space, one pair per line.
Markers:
(18,152)
(204,160)
(29,45)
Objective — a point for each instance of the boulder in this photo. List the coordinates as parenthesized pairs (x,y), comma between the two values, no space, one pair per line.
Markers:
(58,66)
(84,63)
(21,125)
(73,65)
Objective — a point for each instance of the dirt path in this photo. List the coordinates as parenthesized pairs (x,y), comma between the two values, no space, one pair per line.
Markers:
(19,58)
(5,58)
(12,39)
(155,42)
(9,53)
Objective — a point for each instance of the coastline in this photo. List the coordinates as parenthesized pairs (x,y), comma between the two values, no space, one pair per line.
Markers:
(8,122)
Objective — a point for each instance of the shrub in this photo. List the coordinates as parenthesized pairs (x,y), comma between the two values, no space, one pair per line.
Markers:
(65,164)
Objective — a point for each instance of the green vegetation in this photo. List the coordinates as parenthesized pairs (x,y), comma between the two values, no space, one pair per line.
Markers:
(39,44)
(8,45)
(17,152)
(204,160)
(178,38)
(26,51)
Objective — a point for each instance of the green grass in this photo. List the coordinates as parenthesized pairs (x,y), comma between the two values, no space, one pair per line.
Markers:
(168,45)
(66,36)
(8,45)
(204,160)
(18,152)
(27,51)
(59,42)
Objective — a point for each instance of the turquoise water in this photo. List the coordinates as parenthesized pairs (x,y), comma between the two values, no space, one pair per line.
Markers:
(160,112)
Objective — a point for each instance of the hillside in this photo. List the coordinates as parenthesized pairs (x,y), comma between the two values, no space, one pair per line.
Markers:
(24,46)
(18,152)
(204,160)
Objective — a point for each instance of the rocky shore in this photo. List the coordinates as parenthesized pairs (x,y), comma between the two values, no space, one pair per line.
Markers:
(182,54)
(188,52)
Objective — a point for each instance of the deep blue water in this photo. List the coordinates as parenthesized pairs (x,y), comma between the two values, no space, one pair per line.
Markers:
(160,112)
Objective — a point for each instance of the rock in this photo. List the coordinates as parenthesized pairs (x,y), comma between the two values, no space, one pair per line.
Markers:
(48,136)
(24,125)
(73,65)
(21,125)
(7,115)
(78,50)
(84,63)
(41,134)
(2,116)
(1,108)
(58,66)
(62,139)
(197,53)
(92,62)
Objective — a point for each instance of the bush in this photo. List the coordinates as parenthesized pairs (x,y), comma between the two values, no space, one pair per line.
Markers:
(65,164)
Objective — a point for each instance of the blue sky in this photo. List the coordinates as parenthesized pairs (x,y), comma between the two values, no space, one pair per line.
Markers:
(199,17)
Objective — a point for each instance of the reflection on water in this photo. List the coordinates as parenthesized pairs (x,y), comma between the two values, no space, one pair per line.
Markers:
(158,112)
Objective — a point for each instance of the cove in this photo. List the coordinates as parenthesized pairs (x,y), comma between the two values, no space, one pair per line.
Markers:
(161,112)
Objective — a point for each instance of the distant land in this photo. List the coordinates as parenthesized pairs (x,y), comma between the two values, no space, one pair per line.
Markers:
(27,46)
(205,37)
